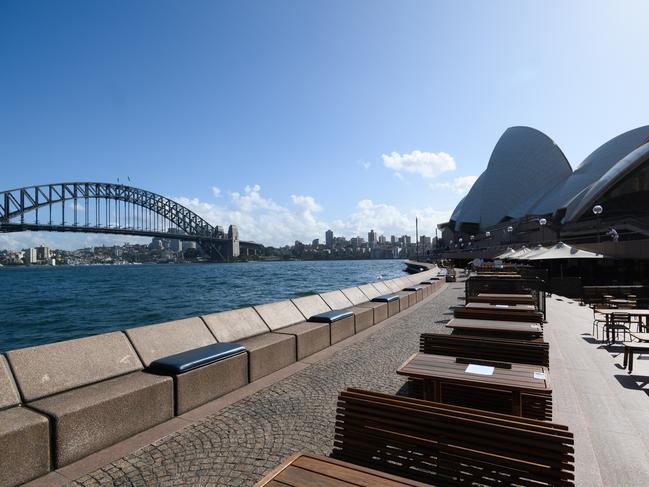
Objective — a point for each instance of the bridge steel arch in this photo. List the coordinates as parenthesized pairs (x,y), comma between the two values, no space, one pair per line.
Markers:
(125,200)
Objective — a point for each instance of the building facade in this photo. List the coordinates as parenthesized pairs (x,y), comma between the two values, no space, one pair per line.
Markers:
(529,192)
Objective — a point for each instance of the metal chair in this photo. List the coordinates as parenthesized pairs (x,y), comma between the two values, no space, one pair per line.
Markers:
(617,322)
(599,320)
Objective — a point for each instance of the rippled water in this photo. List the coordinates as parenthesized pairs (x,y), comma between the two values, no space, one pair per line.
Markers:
(48,304)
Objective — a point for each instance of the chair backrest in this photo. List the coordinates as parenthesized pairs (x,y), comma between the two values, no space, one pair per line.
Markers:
(382,287)
(394,285)
(620,318)
(279,314)
(442,444)
(355,295)
(162,340)
(57,367)
(486,348)
(370,291)
(236,324)
(336,300)
(311,305)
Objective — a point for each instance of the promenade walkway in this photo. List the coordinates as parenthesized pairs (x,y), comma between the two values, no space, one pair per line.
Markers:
(237,439)
(238,444)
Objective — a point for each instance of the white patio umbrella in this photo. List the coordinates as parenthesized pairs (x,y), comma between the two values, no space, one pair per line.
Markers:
(564,251)
(561,252)
(537,250)
(519,253)
(505,254)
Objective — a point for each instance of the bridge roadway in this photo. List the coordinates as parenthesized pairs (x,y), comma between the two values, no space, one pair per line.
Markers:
(237,439)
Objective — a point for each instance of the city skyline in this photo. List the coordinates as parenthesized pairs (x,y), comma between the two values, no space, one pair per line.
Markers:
(289,118)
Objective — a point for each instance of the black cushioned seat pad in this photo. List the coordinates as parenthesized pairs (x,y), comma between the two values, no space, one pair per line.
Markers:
(331,316)
(385,298)
(192,359)
(412,288)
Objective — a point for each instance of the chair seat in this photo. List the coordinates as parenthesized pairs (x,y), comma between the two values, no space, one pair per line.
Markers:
(385,298)
(193,359)
(331,316)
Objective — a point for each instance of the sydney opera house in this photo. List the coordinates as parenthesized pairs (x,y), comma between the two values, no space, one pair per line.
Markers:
(530,193)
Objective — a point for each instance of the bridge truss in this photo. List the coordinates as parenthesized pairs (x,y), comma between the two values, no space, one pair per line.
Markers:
(111,208)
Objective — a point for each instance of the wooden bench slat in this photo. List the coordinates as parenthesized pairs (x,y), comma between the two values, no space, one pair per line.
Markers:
(449,445)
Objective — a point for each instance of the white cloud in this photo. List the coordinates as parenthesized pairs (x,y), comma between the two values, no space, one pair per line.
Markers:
(307,203)
(277,225)
(216,191)
(426,164)
(251,199)
(460,185)
(389,220)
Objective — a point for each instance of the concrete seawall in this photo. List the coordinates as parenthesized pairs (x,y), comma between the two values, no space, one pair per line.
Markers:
(63,401)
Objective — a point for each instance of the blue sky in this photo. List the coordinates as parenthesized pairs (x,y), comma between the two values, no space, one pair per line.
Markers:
(291,117)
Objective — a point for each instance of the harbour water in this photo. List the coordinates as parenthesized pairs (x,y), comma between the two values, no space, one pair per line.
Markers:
(48,304)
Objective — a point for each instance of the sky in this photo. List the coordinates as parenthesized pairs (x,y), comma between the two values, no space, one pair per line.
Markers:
(288,118)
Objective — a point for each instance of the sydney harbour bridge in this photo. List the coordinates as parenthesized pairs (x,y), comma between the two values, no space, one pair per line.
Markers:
(115,209)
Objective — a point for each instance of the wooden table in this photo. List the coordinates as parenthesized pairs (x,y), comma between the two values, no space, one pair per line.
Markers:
(619,301)
(641,314)
(436,370)
(503,307)
(307,470)
(520,329)
(499,275)
(497,298)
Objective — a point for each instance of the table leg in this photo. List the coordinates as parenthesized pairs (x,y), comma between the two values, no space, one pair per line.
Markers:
(428,390)
(437,391)
(517,407)
(630,361)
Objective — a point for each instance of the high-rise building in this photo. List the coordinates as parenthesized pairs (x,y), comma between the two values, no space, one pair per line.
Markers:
(30,256)
(371,238)
(329,238)
(43,253)
(175,245)
(316,242)
(393,239)
(382,240)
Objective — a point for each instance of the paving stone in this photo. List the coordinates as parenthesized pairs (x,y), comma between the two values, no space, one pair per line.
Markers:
(241,443)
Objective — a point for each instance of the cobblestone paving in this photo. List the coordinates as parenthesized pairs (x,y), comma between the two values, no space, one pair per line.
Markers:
(241,443)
